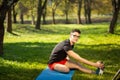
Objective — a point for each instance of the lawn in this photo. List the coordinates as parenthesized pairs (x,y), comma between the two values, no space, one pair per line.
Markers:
(27,50)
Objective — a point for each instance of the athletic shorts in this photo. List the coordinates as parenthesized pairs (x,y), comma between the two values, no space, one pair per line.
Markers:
(51,66)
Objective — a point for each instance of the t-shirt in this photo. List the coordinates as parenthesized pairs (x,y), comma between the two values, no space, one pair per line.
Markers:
(60,51)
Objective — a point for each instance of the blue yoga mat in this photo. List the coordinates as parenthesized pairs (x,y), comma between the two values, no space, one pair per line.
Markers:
(48,74)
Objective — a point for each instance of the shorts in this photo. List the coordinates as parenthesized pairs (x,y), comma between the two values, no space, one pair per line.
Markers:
(51,66)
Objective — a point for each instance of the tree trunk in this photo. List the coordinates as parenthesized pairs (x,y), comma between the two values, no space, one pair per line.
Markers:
(38,23)
(44,14)
(21,18)
(33,19)
(9,21)
(3,12)
(44,18)
(4,7)
(79,11)
(1,32)
(14,15)
(39,13)
(87,10)
(113,22)
(53,15)
(54,7)
(67,3)
(116,8)
(67,21)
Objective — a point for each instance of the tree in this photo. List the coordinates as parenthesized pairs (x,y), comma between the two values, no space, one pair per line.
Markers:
(44,14)
(31,9)
(23,10)
(9,21)
(14,14)
(67,7)
(116,9)
(100,8)
(87,9)
(40,9)
(4,7)
(55,4)
(79,11)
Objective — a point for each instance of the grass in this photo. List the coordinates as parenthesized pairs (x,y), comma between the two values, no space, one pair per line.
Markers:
(28,50)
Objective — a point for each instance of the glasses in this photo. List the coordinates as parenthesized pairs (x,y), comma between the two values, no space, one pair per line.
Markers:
(76,36)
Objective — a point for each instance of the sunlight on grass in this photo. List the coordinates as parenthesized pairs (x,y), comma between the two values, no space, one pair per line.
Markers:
(27,52)
(19,70)
(25,65)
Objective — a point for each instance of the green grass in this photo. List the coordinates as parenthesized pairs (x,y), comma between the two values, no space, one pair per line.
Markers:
(28,50)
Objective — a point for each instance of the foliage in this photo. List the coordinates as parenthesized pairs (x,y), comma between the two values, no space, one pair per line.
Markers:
(98,7)
(28,50)
(29,7)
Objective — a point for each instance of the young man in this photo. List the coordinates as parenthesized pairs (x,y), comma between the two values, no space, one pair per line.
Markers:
(59,58)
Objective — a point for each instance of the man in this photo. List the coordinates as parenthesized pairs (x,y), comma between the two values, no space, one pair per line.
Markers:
(59,58)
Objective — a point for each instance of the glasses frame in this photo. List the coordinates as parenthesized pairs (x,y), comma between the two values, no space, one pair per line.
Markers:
(75,36)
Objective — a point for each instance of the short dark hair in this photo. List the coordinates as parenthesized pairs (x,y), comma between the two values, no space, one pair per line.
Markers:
(76,30)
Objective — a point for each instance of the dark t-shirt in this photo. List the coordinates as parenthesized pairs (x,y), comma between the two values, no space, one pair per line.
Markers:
(60,51)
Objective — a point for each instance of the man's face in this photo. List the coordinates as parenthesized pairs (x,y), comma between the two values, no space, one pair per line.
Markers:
(74,37)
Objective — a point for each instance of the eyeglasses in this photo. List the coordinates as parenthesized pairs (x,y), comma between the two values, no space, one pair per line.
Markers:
(76,36)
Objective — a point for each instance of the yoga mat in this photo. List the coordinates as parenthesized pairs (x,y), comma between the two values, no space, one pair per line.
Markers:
(48,74)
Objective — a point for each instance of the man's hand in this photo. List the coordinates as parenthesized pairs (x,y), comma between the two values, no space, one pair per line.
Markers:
(67,58)
(100,64)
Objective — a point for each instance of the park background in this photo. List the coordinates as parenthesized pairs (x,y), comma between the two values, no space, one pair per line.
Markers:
(33,27)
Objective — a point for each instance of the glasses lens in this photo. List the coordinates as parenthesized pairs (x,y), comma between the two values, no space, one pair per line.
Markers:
(76,36)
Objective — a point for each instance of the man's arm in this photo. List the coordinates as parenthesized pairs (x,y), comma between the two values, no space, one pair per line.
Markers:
(83,60)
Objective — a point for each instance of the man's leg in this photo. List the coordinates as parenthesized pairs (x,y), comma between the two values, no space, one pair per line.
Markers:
(61,68)
(71,64)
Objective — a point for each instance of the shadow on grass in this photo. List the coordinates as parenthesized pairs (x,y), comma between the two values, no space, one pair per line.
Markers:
(28,52)
(39,52)
(106,52)
(73,21)
(15,34)
(64,29)
(44,29)
(22,53)
(8,72)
